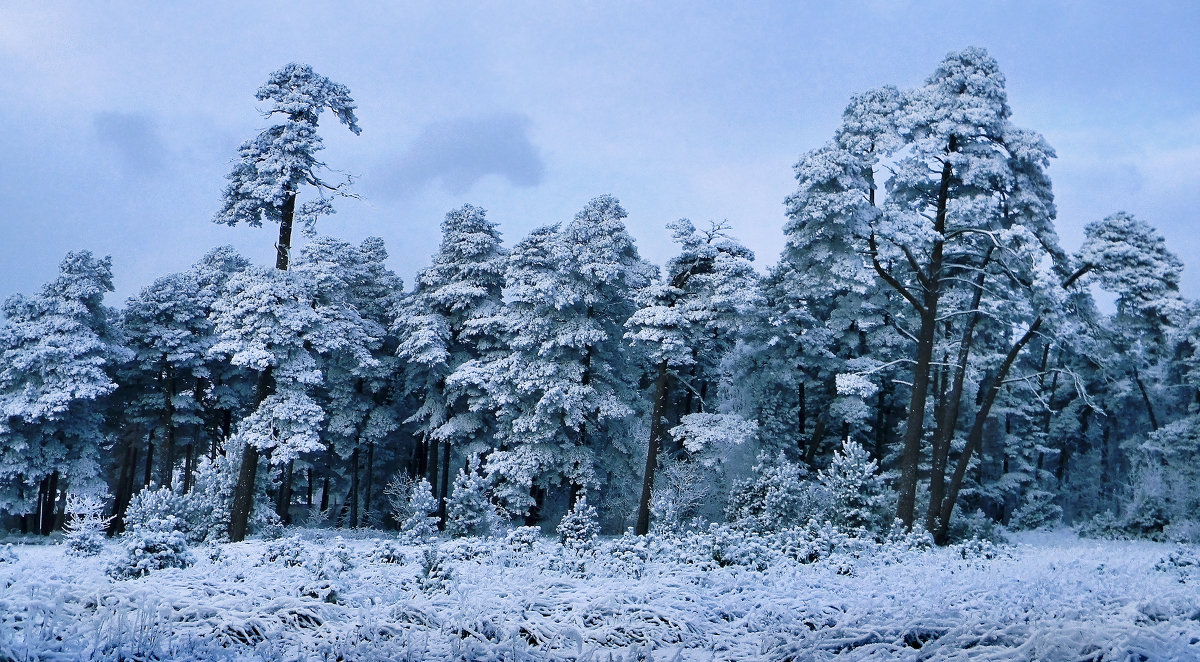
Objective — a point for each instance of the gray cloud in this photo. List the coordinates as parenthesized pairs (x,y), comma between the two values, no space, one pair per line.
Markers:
(133,140)
(459,152)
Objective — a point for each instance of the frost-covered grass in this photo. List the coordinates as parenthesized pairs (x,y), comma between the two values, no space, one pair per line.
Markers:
(367,597)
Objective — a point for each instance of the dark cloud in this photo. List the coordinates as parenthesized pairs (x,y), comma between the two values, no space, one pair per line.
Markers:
(458,153)
(133,140)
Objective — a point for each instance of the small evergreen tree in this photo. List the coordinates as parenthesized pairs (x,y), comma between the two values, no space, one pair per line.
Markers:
(422,518)
(469,512)
(85,524)
(579,527)
(858,496)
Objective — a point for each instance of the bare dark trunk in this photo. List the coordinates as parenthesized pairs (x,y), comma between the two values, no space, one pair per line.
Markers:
(149,458)
(445,491)
(656,433)
(352,498)
(370,480)
(283,505)
(975,436)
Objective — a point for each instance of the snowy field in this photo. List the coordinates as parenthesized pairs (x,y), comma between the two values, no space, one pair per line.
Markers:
(315,596)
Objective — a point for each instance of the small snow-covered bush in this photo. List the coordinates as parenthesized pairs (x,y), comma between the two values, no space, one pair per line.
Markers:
(625,555)
(858,497)
(398,493)
(85,524)
(775,497)
(1037,511)
(979,550)
(435,570)
(421,522)
(816,541)
(468,510)
(7,555)
(332,562)
(1183,531)
(151,546)
(387,552)
(523,538)
(579,527)
(1182,561)
(152,504)
(976,525)
(285,551)
(730,546)
(680,489)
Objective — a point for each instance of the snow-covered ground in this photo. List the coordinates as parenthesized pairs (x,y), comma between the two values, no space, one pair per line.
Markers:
(1048,597)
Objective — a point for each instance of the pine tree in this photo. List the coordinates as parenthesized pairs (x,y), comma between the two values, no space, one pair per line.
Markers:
(263,187)
(436,335)
(58,354)
(858,497)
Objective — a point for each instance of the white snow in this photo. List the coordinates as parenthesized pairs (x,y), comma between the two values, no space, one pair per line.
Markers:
(1048,597)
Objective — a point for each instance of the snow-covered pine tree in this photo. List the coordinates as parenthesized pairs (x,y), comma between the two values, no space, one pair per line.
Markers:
(422,518)
(263,187)
(469,511)
(859,499)
(686,325)
(564,383)
(436,337)
(354,293)
(58,353)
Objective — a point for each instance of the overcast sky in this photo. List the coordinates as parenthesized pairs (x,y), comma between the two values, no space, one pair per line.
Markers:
(118,121)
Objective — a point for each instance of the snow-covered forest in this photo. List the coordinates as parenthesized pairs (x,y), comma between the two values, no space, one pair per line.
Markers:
(827,457)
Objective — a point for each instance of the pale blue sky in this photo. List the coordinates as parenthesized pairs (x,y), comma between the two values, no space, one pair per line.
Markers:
(118,120)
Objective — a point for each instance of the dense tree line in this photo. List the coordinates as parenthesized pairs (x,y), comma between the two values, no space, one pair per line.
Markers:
(922,317)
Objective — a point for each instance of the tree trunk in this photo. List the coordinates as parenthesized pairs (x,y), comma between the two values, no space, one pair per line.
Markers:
(243,494)
(124,488)
(656,433)
(243,491)
(284,503)
(325,491)
(352,498)
(445,485)
(283,248)
(801,421)
(149,457)
(975,437)
(168,424)
(948,420)
(50,497)
(370,480)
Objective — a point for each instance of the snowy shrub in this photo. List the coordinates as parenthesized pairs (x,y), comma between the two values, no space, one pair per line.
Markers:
(816,541)
(626,555)
(979,550)
(858,498)
(285,551)
(435,570)
(1183,531)
(1037,511)
(730,545)
(398,493)
(329,563)
(1104,525)
(151,546)
(156,504)
(421,522)
(321,589)
(7,555)
(387,552)
(523,538)
(1182,561)
(680,488)
(976,525)
(578,528)
(208,501)
(901,538)
(468,510)
(85,524)
(775,497)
